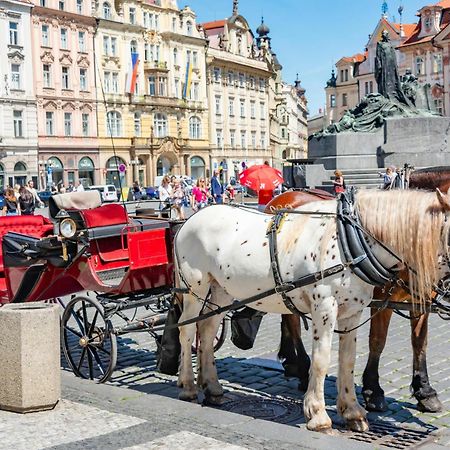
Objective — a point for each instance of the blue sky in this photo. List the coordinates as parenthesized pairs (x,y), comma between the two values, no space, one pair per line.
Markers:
(309,36)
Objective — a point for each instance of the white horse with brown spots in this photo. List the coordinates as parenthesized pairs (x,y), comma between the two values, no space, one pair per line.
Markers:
(225,250)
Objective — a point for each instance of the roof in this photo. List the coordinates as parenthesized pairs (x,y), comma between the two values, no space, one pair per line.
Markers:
(444,4)
(408,28)
(358,58)
(214,25)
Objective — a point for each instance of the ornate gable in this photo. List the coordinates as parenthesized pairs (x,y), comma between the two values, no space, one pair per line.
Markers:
(50,105)
(83,62)
(16,56)
(66,59)
(47,57)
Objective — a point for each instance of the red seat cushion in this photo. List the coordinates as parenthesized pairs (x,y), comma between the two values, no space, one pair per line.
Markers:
(105,215)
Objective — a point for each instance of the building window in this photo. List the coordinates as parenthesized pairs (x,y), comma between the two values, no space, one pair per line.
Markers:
(253,139)
(195,60)
(15,76)
(45,36)
(82,41)
(195,91)
(175,57)
(43,3)
(113,124)
(137,124)
(106,11)
(113,46)
(252,109)
(133,46)
(49,123)
(262,84)
(177,88)
(219,138)
(152,85)
(438,106)
(232,138)
(195,128)
(420,65)
(216,74)
(46,75)
(174,24)
(115,82)
(83,80)
(67,124)
(80,6)
(230,78)
(231,107)
(162,86)
(242,107)
(241,80)
(61,5)
(344,99)
(262,110)
(107,82)
(189,28)
(13,33)
(263,140)
(18,128)
(252,83)
(243,139)
(106,44)
(332,101)
(160,125)
(218,105)
(65,77)
(437,63)
(64,38)
(85,124)
(132,16)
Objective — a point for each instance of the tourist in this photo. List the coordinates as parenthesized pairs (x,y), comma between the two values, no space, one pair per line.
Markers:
(165,193)
(137,193)
(338,182)
(388,178)
(11,205)
(26,202)
(37,201)
(199,195)
(177,199)
(80,187)
(216,188)
(229,191)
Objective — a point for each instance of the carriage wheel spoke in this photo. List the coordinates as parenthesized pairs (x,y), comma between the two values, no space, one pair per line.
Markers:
(91,328)
(76,333)
(80,362)
(91,367)
(97,359)
(78,321)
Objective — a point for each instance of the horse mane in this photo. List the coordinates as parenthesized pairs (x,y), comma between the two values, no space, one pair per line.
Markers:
(429,178)
(413,225)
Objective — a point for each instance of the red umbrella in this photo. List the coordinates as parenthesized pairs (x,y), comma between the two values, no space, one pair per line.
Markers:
(261,177)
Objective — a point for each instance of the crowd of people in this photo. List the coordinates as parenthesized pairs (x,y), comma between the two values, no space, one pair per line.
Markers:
(21,200)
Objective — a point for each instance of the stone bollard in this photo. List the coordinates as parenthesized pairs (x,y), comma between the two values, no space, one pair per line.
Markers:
(30,377)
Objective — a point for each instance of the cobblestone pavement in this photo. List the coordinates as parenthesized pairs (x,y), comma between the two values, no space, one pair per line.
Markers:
(253,375)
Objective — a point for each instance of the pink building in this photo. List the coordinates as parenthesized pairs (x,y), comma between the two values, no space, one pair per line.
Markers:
(63,60)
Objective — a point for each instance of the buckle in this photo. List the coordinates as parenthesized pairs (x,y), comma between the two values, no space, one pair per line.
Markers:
(285,287)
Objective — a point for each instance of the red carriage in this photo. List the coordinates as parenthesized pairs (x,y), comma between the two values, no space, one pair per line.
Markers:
(122,262)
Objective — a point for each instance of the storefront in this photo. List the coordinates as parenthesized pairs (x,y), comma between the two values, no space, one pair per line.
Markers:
(198,167)
(116,172)
(86,171)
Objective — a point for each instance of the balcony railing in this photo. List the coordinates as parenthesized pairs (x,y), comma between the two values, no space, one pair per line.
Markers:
(156,66)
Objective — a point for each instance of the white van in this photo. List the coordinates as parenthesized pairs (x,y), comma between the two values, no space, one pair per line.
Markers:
(107,191)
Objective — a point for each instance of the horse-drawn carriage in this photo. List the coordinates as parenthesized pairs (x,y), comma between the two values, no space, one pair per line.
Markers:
(129,262)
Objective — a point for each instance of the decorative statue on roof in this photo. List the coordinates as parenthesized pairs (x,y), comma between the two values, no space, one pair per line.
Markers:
(386,72)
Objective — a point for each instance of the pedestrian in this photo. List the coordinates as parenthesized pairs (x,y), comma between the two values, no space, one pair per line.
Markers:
(165,193)
(229,191)
(11,205)
(338,182)
(137,194)
(80,187)
(26,202)
(37,201)
(216,188)
(199,195)
(177,199)
(264,195)
(388,178)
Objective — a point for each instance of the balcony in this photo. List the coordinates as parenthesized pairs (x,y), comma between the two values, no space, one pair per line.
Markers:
(155,66)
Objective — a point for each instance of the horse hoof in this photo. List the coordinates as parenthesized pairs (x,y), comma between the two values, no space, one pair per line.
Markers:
(360,425)
(430,404)
(213,400)
(376,403)
(187,396)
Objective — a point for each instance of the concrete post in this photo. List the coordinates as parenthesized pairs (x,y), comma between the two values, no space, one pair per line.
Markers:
(30,377)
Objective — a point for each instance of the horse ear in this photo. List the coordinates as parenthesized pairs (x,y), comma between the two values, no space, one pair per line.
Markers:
(444,200)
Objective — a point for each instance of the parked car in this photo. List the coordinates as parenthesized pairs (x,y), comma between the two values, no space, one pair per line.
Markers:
(45,196)
(107,191)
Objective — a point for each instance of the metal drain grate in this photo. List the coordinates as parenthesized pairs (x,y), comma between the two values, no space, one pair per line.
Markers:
(112,277)
(391,436)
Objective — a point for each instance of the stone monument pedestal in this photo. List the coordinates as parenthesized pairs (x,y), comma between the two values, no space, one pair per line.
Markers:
(30,374)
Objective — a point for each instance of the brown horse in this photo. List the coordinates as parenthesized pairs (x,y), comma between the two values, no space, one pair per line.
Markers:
(296,361)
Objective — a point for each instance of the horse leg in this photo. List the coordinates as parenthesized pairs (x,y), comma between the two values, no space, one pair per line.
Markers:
(207,329)
(347,404)
(323,321)
(186,379)
(427,399)
(296,361)
(372,392)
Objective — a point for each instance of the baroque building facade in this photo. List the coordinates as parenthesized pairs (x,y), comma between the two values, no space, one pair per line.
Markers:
(161,126)
(18,125)
(64,68)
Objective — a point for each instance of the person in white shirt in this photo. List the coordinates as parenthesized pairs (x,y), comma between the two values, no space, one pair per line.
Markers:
(165,193)
(80,187)
(30,187)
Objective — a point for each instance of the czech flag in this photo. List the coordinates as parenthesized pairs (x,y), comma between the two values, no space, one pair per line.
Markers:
(187,83)
(132,74)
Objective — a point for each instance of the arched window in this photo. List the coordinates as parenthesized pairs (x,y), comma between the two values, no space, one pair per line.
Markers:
(57,170)
(133,47)
(195,128)
(160,125)
(20,167)
(175,57)
(189,28)
(114,124)
(106,10)
(86,170)
(114,174)
(197,167)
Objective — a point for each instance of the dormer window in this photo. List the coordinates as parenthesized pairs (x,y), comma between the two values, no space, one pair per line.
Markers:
(106,11)
(133,16)
(428,22)
(189,28)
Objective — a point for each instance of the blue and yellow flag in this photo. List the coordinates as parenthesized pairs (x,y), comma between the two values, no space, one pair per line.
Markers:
(187,83)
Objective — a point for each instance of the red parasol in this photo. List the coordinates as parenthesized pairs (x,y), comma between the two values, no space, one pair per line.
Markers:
(261,177)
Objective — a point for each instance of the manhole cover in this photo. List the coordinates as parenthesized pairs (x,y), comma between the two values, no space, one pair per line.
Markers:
(275,410)
(387,435)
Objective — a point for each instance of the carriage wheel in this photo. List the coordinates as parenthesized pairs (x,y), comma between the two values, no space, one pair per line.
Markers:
(89,346)
(218,340)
